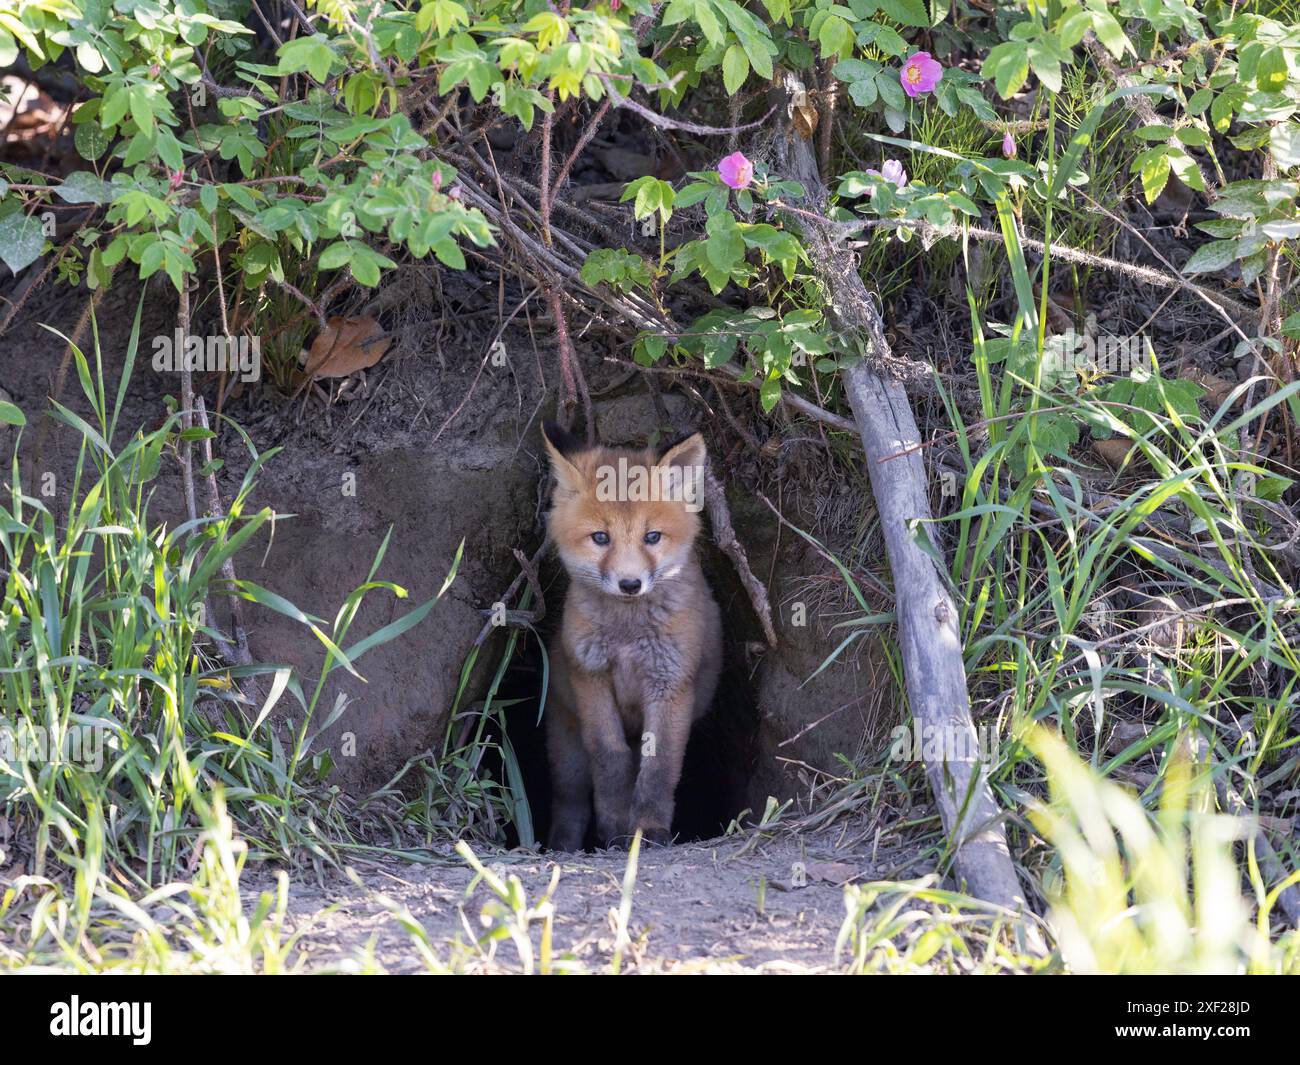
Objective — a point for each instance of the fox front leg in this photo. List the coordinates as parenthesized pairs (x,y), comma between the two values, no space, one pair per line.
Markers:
(663,749)
(609,758)
(570,779)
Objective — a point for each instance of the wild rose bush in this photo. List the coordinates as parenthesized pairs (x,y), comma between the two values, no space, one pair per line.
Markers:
(315,147)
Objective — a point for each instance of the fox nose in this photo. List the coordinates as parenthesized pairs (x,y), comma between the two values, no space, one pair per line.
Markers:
(629,586)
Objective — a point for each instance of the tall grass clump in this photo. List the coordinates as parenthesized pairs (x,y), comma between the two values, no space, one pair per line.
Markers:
(129,757)
(1130,637)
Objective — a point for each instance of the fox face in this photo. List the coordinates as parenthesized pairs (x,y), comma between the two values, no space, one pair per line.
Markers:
(624,521)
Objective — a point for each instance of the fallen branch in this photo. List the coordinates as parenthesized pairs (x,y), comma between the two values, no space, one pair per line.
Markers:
(929,639)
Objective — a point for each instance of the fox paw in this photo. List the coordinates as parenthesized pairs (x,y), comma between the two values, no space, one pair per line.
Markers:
(565,840)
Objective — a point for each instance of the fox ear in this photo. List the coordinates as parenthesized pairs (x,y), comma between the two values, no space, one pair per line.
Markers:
(687,453)
(560,445)
(560,440)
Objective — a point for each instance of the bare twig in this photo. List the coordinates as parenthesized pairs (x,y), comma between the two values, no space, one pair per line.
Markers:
(724,535)
(583,141)
(1145,274)
(239,654)
(662,122)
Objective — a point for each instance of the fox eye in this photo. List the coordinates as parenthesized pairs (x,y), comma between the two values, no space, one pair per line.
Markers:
(652,537)
(601,538)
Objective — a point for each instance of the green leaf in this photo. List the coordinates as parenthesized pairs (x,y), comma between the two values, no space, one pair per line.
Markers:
(757,49)
(864,93)
(82,186)
(449,253)
(735,69)
(11,415)
(835,37)
(312,54)
(908,12)
(1199,101)
(1271,71)
(1153,165)
(335,256)
(891,91)
(1046,63)
(708,22)
(1008,65)
(21,240)
(1194,136)
(1111,33)
(90,141)
(153,258)
(693,193)
(1156,131)
(1215,255)
(615,266)
(1284,142)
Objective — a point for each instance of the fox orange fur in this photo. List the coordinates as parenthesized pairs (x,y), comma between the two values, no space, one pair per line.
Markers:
(639,651)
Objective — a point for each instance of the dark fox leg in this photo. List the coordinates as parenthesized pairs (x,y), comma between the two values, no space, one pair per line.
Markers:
(570,780)
(663,749)
(608,756)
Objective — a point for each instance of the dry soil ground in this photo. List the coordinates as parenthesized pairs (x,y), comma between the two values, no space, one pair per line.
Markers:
(725,905)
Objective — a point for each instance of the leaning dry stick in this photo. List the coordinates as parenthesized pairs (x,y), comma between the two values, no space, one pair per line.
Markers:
(715,500)
(929,638)
(192,407)
(239,654)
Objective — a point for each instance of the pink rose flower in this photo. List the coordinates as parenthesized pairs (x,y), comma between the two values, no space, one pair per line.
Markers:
(736,171)
(891,170)
(921,73)
(1009,145)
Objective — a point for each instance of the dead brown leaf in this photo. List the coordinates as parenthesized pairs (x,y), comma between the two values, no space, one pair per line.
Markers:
(1217,389)
(1060,319)
(345,346)
(1114,451)
(805,115)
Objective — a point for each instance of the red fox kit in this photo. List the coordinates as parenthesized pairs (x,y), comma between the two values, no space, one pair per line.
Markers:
(639,650)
